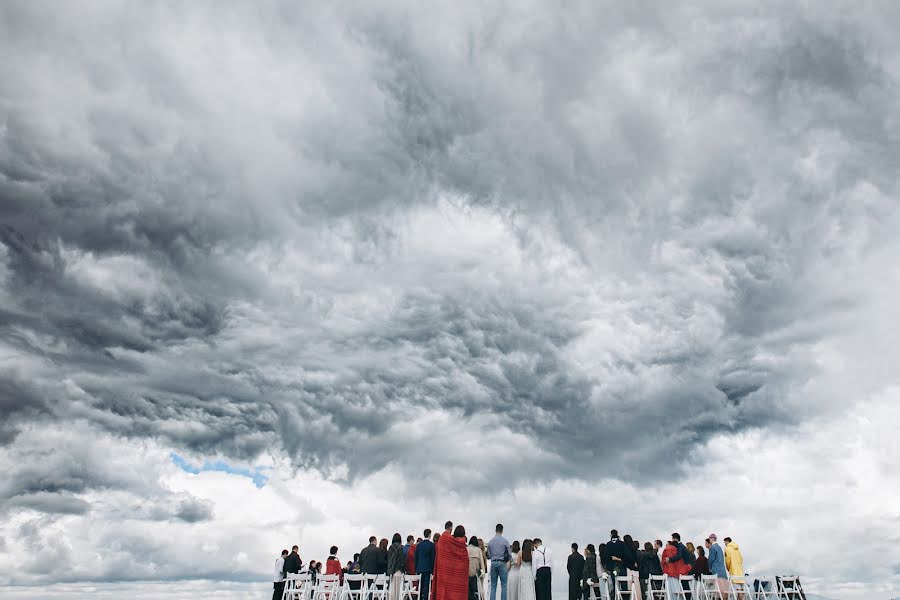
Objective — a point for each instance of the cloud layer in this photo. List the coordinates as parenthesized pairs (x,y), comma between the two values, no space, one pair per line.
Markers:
(495,248)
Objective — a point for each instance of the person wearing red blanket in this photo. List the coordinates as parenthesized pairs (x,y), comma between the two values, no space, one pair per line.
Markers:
(451,566)
(333,565)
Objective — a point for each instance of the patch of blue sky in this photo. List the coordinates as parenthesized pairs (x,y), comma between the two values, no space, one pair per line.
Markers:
(255,474)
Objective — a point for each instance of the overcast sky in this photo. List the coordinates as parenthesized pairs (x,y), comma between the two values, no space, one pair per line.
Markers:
(277,273)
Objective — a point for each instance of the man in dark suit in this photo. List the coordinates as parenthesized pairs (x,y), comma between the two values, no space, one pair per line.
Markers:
(575,567)
(370,558)
(293,564)
(615,549)
(425,563)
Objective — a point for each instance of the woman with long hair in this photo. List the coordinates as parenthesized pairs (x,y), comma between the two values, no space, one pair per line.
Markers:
(607,568)
(395,567)
(589,576)
(383,556)
(512,578)
(476,568)
(526,573)
(485,580)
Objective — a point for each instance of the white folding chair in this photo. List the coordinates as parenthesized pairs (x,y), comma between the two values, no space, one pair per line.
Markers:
(709,588)
(376,587)
(296,586)
(765,587)
(624,588)
(327,587)
(348,593)
(683,590)
(789,588)
(656,587)
(739,588)
(410,587)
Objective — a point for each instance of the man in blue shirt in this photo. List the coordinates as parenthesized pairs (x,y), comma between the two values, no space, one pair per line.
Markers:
(425,563)
(717,562)
(499,555)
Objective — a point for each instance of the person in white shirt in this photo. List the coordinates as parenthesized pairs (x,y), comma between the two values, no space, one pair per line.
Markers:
(278,576)
(541,559)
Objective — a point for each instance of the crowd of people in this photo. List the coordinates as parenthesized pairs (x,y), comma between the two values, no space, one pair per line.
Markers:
(453,566)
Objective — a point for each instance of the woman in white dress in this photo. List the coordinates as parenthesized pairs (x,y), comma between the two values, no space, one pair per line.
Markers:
(512,578)
(526,573)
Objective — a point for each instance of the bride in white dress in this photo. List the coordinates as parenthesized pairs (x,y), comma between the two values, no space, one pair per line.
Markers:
(512,578)
(526,574)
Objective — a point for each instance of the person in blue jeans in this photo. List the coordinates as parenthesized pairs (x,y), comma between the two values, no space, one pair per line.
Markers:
(499,555)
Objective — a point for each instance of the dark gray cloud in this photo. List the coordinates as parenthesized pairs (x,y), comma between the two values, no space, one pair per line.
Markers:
(126,240)
(333,233)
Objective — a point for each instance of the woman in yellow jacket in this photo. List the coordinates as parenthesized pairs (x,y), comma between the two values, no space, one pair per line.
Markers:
(734,561)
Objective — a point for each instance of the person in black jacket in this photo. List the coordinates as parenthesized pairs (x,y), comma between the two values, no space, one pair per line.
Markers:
(292,563)
(575,567)
(370,558)
(615,549)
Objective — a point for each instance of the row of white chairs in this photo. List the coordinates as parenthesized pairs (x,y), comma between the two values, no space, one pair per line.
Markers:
(355,587)
(707,588)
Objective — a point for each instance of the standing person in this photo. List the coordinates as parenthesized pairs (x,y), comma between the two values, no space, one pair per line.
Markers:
(451,566)
(278,576)
(485,576)
(512,577)
(683,559)
(476,568)
(672,567)
(542,560)
(589,575)
(575,568)
(606,571)
(425,563)
(333,565)
(395,565)
(383,556)
(734,560)
(615,550)
(293,564)
(370,557)
(411,557)
(717,563)
(648,564)
(410,541)
(526,571)
(631,566)
(499,555)
(701,564)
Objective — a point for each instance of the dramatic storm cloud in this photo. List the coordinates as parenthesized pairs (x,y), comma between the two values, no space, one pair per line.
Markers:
(276,273)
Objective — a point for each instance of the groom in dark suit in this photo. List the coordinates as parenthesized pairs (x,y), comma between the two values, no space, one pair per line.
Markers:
(575,567)
(425,563)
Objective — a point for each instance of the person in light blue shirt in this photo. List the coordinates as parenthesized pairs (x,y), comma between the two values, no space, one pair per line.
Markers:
(717,562)
(499,555)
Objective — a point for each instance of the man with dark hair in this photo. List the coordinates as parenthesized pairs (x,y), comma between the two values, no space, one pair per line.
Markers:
(293,564)
(615,549)
(499,554)
(370,558)
(278,578)
(575,567)
(541,561)
(687,559)
(425,563)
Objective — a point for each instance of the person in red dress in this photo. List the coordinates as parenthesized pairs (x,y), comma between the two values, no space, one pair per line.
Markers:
(451,565)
